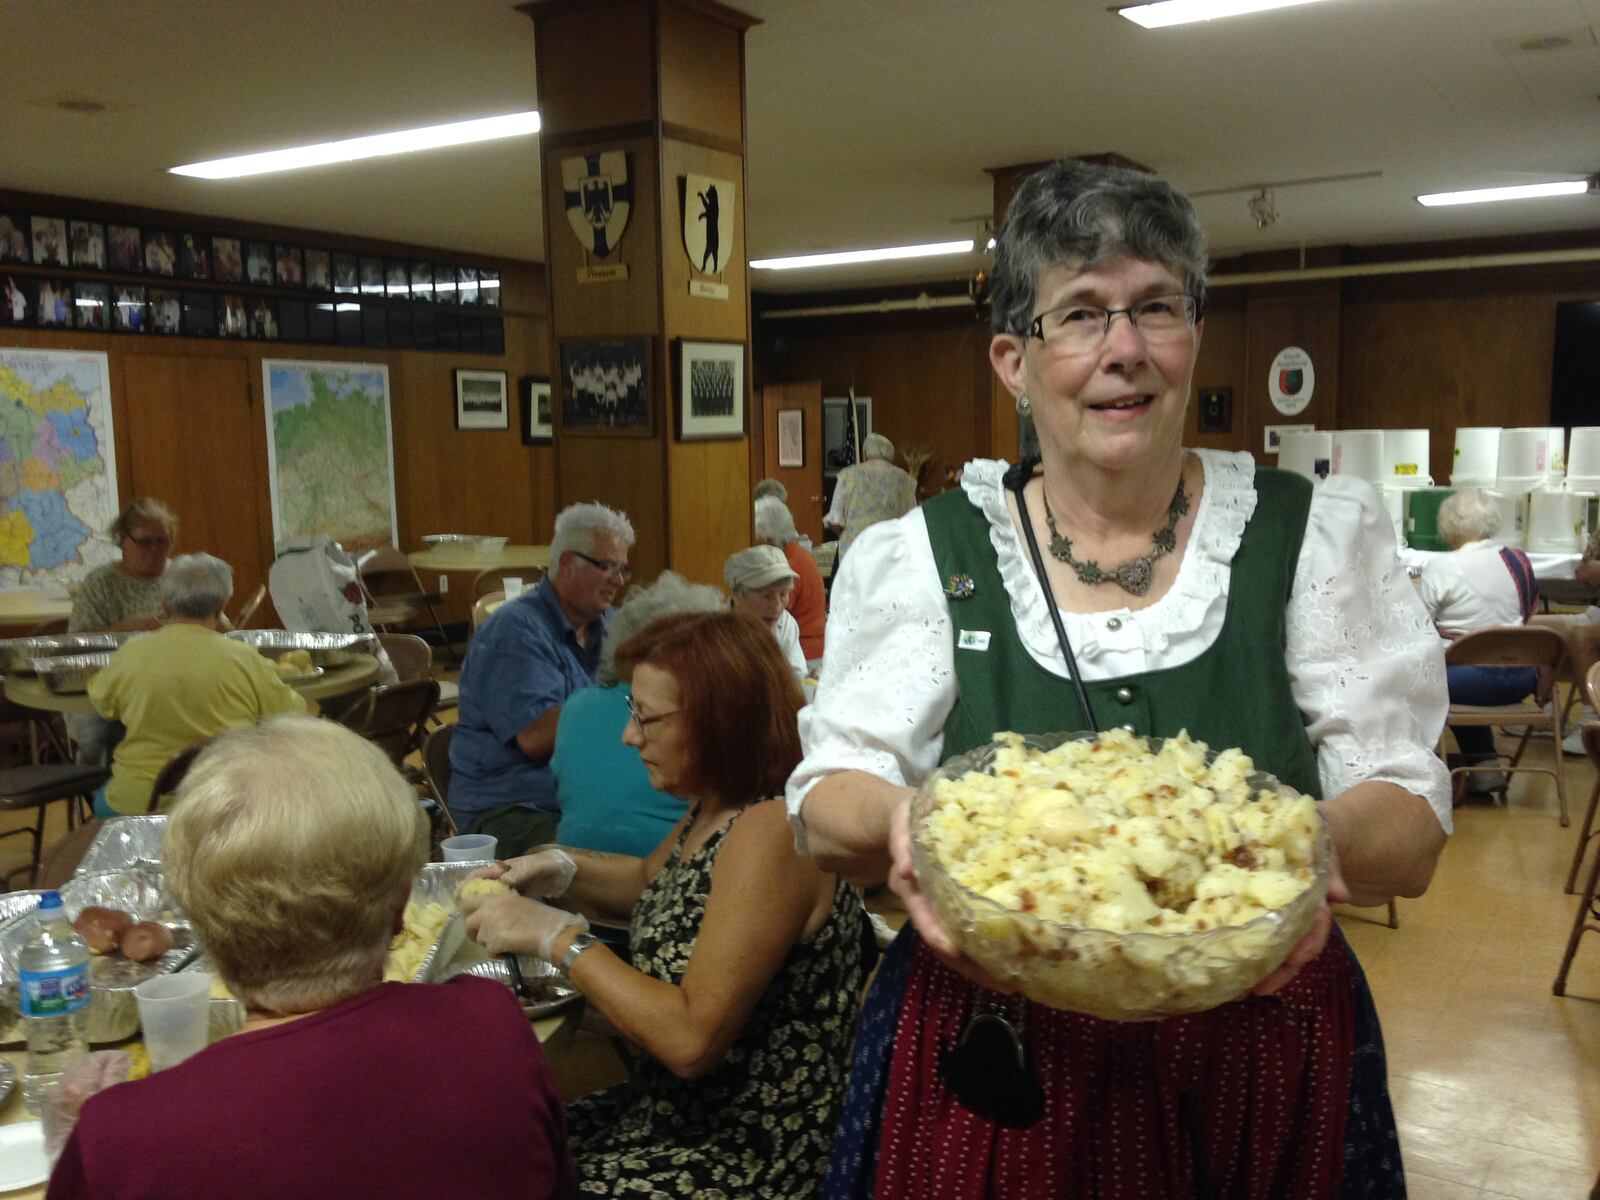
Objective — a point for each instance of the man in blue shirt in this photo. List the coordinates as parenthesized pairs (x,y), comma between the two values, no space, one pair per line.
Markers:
(521,666)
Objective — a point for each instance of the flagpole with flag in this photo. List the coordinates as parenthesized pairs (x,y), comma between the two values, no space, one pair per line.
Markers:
(852,434)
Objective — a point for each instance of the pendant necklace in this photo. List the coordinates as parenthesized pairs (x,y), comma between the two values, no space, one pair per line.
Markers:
(1133,576)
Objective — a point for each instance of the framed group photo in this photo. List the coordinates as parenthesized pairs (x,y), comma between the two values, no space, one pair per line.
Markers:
(791,437)
(605,387)
(538,423)
(710,390)
(481,399)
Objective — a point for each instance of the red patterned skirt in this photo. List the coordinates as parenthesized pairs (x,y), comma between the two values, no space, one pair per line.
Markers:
(1246,1102)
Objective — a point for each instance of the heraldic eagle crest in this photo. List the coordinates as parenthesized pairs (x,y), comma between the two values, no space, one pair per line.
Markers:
(598,195)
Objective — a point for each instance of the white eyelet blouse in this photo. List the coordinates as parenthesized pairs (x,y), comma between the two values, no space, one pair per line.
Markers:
(1366,666)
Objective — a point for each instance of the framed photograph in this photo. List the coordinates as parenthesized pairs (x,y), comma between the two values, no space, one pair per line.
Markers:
(160,253)
(194,256)
(231,319)
(263,319)
(481,400)
(320,326)
(346,273)
(488,287)
(290,266)
(54,309)
(14,238)
(166,311)
(835,431)
(445,290)
(91,304)
(605,387)
(1215,412)
(467,285)
(199,314)
(127,309)
(258,263)
(88,244)
(422,281)
(16,300)
(374,325)
(372,276)
(538,426)
(710,390)
(291,319)
(227,260)
(791,437)
(319,270)
(397,279)
(123,250)
(50,241)
(1274,435)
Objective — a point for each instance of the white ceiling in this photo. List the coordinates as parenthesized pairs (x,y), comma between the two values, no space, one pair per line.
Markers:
(870,121)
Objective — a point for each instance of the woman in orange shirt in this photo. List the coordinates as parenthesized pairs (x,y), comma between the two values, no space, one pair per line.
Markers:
(808,601)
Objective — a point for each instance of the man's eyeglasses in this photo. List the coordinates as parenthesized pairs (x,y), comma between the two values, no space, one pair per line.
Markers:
(621,570)
(644,722)
(1079,328)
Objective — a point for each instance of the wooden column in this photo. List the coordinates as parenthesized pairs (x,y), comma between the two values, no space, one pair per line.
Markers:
(661,82)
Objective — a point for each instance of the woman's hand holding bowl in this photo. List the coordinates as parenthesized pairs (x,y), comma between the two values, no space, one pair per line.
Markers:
(1309,946)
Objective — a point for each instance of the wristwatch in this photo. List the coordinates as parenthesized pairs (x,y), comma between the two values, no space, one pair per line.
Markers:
(579,944)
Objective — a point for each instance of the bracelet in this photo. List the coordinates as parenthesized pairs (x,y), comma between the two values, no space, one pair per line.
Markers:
(577,946)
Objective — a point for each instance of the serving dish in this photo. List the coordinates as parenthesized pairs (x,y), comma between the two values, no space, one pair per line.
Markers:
(550,990)
(70,674)
(121,843)
(8,1081)
(471,542)
(1132,976)
(18,656)
(326,649)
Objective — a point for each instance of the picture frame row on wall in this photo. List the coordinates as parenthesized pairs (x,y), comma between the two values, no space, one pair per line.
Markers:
(94,245)
(99,306)
(607,389)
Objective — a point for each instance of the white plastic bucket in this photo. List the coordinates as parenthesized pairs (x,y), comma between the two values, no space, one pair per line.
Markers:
(1394,499)
(1359,452)
(1524,453)
(1476,457)
(1307,452)
(1513,517)
(1556,440)
(1405,458)
(1555,522)
(1583,455)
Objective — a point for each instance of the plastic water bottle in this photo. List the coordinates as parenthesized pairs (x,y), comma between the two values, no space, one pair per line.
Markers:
(54,974)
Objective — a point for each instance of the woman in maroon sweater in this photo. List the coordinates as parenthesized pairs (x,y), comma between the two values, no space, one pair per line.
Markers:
(292,847)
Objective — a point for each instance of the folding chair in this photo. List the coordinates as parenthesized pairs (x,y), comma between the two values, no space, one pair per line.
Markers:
(247,611)
(37,788)
(1591,746)
(394,591)
(412,658)
(394,717)
(493,579)
(436,767)
(483,607)
(173,772)
(1514,646)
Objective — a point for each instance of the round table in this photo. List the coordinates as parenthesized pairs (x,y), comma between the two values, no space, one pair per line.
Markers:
(448,558)
(36,608)
(30,690)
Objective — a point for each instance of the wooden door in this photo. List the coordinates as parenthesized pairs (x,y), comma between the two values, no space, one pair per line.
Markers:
(194,442)
(805,481)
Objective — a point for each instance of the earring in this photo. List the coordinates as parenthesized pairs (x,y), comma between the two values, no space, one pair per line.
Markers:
(1024,405)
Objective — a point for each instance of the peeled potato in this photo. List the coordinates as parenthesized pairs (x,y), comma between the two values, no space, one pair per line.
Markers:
(101,927)
(484,887)
(145,941)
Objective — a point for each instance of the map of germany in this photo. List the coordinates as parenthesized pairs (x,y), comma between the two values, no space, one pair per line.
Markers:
(57,466)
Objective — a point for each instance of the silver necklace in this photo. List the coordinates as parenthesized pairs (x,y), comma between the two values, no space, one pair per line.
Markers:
(1133,576)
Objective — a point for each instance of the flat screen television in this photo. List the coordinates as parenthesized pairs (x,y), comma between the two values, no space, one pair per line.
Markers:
(1575,375)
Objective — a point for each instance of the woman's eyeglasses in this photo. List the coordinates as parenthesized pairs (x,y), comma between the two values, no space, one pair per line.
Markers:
(151,543)
(642,721)
(621,570)
(1079,328)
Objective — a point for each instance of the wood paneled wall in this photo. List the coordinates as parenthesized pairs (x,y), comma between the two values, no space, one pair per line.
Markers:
(189,426)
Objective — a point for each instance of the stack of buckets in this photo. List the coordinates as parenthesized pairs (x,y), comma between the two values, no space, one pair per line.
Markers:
(1394,461)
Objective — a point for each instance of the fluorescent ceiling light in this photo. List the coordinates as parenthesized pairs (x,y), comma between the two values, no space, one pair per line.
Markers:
(1183,12)
(839,258)
(1526,191)
(458,133)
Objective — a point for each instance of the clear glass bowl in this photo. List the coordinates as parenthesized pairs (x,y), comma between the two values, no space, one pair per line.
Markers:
(1117,976)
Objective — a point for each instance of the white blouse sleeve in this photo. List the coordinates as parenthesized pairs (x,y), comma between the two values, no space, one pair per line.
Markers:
(787,632)
(888,675)
(1365,664)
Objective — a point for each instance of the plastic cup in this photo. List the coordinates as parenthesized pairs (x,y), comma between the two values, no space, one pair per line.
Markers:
(470,847)
(512,586)
(175,1011)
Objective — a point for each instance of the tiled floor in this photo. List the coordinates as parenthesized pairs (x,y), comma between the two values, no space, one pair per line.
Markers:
(1496,1082)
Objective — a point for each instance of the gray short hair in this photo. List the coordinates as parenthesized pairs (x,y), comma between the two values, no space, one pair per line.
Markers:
(1468,516)
(671,593)
(578,525)
(196,585)
(291,846)
(774,522)
(773,488)
(875,445)
(1078,213)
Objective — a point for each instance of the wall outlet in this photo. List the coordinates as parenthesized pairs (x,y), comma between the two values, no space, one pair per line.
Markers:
(444,585)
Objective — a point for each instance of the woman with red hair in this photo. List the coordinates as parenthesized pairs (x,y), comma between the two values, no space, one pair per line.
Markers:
(746,959)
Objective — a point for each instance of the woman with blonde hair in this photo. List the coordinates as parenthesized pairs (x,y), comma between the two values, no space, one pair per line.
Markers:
(292,849)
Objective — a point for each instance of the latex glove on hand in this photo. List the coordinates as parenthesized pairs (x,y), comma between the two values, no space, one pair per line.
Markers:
(548,871)
(517,925)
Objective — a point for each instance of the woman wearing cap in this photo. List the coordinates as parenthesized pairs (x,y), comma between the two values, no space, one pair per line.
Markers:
(759,580)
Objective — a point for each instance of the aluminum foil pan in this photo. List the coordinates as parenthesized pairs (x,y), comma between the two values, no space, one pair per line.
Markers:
(326,649)
(225,1016)
(549,990)
(124,842)
(113,1014)
(71,673)
(18,655)
(8,1080)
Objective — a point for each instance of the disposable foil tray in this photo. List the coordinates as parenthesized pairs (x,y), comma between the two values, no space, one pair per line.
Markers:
(71,673)
(125,842)
(18,656)
(548,989)
(326,649)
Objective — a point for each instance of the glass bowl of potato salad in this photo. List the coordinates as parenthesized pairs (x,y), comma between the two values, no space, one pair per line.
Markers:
(1125,877)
